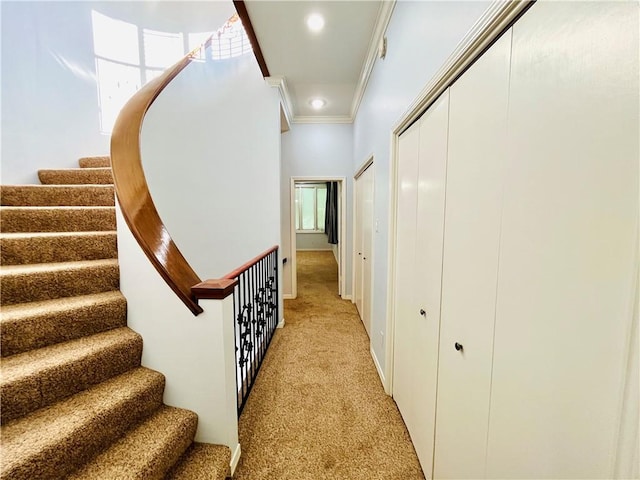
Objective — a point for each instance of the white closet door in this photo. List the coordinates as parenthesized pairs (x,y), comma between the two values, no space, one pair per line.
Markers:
(475,178)
(425,318)
(569,232)
(406,358)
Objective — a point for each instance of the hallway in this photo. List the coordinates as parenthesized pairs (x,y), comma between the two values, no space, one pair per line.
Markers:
(318,410)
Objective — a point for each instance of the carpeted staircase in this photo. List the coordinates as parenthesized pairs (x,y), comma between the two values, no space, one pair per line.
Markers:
(75,401)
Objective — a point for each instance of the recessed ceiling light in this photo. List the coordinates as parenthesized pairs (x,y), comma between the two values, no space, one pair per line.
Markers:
(317,103)
(315,22)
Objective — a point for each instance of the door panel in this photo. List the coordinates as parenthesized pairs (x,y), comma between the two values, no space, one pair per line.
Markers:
(475,177)
(358,249)
(367,181)
(405,358)
(568,242)
(425,327)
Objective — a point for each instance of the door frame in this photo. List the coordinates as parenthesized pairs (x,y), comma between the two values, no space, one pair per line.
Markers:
(498,17)
(342,220)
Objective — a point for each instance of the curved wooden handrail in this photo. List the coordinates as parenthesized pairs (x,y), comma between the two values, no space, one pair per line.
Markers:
(243,268)
(133,194)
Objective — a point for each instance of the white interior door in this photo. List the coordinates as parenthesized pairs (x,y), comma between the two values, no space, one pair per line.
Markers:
(357,241)
(367,181)
(567,258)
(475,178)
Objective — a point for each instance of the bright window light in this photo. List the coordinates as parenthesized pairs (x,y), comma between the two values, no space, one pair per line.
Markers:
(114,39)
(230,40)
(310,205)
(162,49)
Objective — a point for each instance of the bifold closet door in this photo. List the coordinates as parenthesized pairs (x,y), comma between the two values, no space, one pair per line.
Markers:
(405,358)
(569,244)
(423,157)
(475,180)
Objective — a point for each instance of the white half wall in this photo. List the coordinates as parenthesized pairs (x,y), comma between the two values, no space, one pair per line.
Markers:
(420,38)
(189,351)
(315,150)
(49,89)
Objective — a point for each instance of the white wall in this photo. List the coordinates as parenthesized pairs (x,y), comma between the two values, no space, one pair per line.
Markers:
(312,241)
(211,154)
(420,37)
(50,107)
(318,150)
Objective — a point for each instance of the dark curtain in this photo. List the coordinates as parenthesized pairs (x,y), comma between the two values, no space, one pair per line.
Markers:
(331,213)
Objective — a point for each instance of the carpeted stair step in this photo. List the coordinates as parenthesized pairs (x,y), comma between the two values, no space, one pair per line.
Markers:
(57,195)
(146,452)
(57,219)
(76,176)
(202,461)
(45,281)
(37,378)
(27,326)
(52,442)
(95,162)
(24,248)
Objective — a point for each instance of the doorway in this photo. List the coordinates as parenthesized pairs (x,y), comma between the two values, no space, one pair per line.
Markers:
(310,235)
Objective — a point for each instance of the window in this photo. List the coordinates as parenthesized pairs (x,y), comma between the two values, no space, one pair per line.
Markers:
(128,56)
(310,204)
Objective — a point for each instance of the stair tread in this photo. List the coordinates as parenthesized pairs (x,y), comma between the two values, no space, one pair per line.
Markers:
(76,176)
(23,248)
(58,208)
(147,451)
(75,169)
(202,461)
(67,218)
(36,361)
(68,424)
(17,235)
(40,377)
(31,268)
(31,325)
(72,194)
(11,313)
(94,161)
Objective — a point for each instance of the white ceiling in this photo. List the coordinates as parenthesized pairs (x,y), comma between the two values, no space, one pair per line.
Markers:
(333,64)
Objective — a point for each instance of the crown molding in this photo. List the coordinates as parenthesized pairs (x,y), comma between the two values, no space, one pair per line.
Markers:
(382,22)
(279,82)
(323,119)
(499,15)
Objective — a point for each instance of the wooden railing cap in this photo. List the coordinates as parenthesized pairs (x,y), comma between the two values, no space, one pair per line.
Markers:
(214,289)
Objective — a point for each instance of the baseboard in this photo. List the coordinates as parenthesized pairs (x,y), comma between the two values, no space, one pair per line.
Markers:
(288,296)
(281,324)
(378,368)
(235,459)
(347,297)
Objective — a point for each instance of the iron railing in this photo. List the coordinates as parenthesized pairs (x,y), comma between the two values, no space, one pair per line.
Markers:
(255,305)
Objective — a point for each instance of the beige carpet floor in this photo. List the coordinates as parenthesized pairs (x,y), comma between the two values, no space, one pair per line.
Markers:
(318,409)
